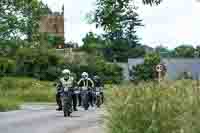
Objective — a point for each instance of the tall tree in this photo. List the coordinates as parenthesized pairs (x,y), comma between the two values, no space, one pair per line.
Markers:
(21,18)
(118,18)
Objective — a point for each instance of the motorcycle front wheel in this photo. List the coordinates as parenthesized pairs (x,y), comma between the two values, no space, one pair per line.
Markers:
(85,100)
(67,105)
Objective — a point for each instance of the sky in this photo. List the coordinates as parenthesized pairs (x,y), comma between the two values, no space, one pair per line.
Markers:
(172,23)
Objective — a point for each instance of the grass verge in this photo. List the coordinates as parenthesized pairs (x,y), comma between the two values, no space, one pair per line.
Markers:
(172,107)
(8,104)
(15,90)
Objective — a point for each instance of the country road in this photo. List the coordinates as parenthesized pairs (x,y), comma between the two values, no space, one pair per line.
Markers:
(44,119)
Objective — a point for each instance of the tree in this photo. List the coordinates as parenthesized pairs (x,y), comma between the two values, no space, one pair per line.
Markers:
(136,52)
(92,40)
(197,51)
(118,18)
(146,71)
(54,40)
(20,18)
(163,51)
(151,2)
(186,51)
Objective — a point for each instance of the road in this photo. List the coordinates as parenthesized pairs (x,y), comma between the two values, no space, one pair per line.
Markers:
(44,119)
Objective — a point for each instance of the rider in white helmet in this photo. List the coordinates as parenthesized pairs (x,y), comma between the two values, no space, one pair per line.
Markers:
(85,81)
(67,81)
(86,84)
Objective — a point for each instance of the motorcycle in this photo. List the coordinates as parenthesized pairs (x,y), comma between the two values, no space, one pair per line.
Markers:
(85,98)
(98,97)
(67,102)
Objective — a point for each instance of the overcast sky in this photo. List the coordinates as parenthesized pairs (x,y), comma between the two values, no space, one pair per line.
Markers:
(172,23)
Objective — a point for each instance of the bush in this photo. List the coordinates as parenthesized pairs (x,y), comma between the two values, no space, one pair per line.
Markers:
(8,104)
(38,63)
(110,73)
(8,47)
(148,108)
(46,64)
(147,70)
(7,66)
(184,75)
(26,89)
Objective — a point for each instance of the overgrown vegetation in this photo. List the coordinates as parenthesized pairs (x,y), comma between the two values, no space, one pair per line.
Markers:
(96,65)
(45,63)
(148,108)
(119,49)
(15,90)
(8,104)
(147,70)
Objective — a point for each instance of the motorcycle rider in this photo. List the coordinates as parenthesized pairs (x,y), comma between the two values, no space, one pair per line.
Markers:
(86,82)
(67,81)
(98,83)
(58,95)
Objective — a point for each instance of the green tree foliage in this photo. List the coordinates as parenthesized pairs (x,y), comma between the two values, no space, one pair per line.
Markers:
(53,40)
(92,40)
(7,66)
(38,63)
(119,50)
(109,72)
(164,51)
(146,71)
(46,64)
(93,43)
(20,18)
(152,2)
(8,47)
(185,51)
(119,20)
(197,54)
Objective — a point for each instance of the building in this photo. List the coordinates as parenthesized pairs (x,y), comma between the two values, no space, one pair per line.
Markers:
(175,67)
(53,24)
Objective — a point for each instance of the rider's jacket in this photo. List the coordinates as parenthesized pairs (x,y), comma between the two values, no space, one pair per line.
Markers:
(87,83)
(67,83)
(98,83)
(59,87)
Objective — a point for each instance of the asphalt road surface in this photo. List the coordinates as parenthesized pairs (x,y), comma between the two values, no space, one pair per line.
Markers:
(44,119)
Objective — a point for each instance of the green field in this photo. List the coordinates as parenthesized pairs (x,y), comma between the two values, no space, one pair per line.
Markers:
(14,91)
(172,107)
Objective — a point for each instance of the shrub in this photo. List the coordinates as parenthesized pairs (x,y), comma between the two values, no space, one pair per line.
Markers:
(110,73)
(8,104)
(147,108)
(184,75)
(46,64)
(38,63)
(7,66)
(26,89)
(146,71)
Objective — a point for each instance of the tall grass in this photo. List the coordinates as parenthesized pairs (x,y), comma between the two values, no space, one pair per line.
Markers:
(172,107)
(8,104)
(14,90)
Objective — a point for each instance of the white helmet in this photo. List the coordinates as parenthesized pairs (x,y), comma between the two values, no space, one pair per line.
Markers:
(84,75)
(66,71)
